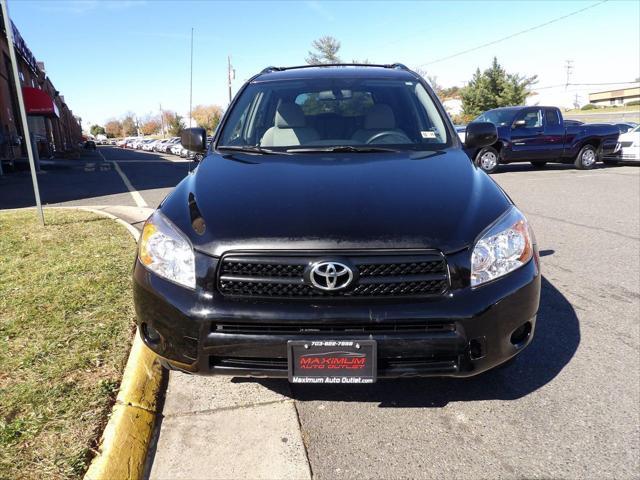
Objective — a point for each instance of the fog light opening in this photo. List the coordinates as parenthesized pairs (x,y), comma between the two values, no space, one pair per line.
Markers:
(151,335)
(476,348)
(521,334)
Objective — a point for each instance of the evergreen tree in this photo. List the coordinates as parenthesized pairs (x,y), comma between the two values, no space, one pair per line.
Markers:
(494,88)
(326,51)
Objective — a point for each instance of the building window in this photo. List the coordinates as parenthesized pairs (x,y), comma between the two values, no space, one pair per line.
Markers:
(21,77)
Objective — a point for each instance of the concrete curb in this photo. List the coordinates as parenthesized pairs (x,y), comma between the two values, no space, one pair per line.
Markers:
(124,444)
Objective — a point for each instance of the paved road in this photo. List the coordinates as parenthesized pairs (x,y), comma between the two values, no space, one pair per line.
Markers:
(569,407)
(96,178)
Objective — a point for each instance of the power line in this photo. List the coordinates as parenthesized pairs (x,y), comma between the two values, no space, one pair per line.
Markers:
(521,32)
(582,85)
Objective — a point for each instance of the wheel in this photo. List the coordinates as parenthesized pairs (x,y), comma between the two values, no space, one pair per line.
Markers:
(538,164)
(487,159)
(587,158)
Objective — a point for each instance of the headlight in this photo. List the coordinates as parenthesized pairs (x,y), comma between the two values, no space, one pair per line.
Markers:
(165,251)
(505,246)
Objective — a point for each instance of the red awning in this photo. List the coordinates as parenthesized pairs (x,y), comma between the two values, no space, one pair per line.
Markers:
(38,102)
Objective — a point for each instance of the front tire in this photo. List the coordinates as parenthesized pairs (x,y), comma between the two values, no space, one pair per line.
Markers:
(488,159)
(587,158)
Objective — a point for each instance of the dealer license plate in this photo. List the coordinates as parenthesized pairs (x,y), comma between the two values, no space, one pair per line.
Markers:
(332,361)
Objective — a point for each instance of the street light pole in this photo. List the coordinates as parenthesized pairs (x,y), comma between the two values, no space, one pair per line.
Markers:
(23,113)
(229,76)
(191,80)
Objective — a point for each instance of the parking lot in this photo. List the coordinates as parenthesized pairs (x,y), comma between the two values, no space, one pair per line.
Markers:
(568,407)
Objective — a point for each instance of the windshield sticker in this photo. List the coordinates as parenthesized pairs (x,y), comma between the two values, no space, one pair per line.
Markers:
(428,134)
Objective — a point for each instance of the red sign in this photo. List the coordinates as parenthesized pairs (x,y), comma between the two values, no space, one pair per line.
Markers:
(38,102)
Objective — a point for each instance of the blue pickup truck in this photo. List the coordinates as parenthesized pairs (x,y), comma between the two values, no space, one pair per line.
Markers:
(539,135)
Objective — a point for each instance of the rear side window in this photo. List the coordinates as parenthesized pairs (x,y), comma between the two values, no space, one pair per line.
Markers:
(532,118)
(551,116)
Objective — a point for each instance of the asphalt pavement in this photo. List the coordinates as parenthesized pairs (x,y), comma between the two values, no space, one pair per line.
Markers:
(569,407)
(97,178)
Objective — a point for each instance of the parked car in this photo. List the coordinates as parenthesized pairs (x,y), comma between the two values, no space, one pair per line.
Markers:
(159,144)
(626,126)
(121,142)
(337,244)
(628,148)
(130,141)
(90,145)
(539,135)
(166,146)
(176,148)
(148,146)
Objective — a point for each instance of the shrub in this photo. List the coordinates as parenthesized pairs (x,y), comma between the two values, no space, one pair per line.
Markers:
(589,106)
(633,103)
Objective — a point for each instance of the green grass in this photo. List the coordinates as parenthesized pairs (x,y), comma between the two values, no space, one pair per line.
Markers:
(66,324)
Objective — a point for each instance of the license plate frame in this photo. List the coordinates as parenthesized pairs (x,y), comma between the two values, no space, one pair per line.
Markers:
(351,361)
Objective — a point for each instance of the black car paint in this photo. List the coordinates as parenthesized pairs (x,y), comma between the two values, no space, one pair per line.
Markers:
(551,143)
(325,204)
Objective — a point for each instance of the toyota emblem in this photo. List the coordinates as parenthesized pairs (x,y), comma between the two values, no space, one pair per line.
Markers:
(330,276)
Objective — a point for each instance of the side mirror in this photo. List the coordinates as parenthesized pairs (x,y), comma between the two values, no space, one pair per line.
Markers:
(480,134)
(519,123)
(194,139)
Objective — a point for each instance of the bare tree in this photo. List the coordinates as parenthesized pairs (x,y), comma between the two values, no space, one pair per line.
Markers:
(113,128)
(327,48)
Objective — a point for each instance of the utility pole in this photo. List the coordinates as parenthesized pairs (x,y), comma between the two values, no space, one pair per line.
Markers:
(161,121)
(191,81)
(231,74)
(569,68)
(23,113)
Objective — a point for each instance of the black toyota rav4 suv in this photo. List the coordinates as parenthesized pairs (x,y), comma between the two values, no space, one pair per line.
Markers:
(336,232)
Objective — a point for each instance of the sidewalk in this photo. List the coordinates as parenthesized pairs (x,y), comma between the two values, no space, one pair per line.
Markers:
(222,427)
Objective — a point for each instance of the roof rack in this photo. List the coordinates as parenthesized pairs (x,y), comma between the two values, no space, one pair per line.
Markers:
(397,66)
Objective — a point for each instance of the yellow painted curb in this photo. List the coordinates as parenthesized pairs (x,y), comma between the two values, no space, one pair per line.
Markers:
(122,452)
(126,438)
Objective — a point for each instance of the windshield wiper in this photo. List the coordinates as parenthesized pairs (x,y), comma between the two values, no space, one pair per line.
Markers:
(251,149)
(340,149)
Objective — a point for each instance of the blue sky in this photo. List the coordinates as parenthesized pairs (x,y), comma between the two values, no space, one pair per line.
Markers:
(110,57)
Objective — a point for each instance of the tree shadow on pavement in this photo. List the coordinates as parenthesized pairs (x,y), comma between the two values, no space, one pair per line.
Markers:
(556,340)
(90,180)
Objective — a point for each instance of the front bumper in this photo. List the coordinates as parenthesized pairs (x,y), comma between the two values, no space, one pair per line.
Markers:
(467,331)
(625,154)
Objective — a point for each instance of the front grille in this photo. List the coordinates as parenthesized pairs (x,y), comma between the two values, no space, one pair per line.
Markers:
(375,276)
(303,328)
(394,365)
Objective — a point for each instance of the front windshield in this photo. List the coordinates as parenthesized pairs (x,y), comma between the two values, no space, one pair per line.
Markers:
(499,118)
(335,112)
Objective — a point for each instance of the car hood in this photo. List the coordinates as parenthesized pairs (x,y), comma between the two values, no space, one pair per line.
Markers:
(336,201)
(629,137)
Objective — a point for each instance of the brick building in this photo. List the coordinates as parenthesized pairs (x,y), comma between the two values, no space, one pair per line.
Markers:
(51,122)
